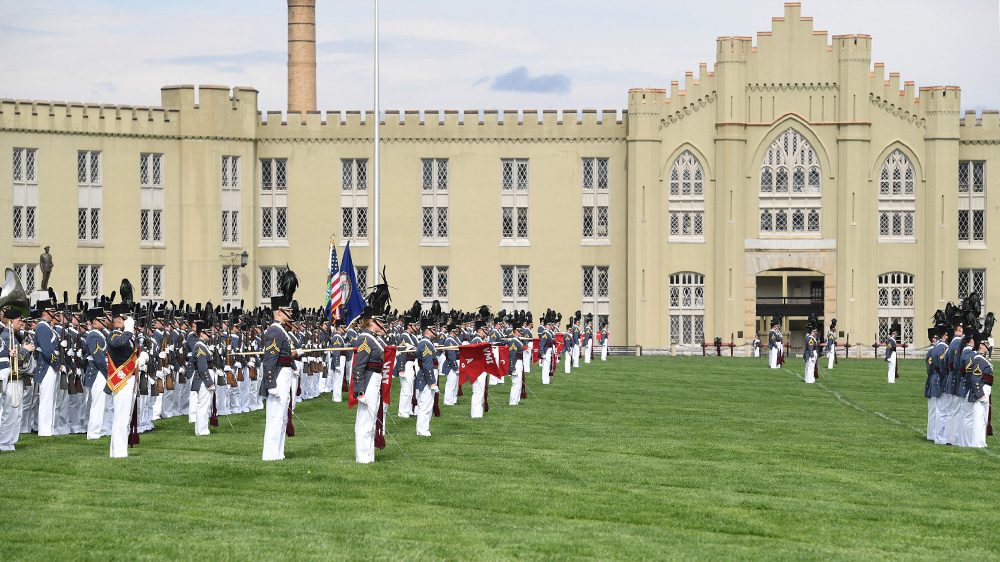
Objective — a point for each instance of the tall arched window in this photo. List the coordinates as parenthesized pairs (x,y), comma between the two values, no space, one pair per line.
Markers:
(897,200)
(895,304)
(687,308)
(790,186)
(687,199)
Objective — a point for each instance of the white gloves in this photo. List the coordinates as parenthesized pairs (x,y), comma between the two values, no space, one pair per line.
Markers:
(273,391)
(162,355)
(130,325)
(64,344)
(142,360)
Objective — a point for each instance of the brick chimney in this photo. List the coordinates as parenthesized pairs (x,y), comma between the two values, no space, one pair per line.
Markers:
(301,56)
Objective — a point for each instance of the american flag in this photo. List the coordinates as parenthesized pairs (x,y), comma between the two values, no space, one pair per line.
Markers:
(334,297)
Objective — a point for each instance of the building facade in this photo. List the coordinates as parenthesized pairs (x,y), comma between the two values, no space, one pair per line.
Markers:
(793,178)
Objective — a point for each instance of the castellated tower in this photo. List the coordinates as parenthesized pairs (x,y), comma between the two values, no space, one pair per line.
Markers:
(301,56)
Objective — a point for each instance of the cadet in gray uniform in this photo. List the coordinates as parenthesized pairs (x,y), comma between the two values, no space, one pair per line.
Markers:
(12,358)
(425,381)
(980,383)
(278,378)
(96,377)
(202,383)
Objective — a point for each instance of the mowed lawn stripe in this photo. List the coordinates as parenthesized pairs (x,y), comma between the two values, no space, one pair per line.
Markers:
(634,458)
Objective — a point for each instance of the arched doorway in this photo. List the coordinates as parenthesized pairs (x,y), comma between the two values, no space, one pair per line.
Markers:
(793,293)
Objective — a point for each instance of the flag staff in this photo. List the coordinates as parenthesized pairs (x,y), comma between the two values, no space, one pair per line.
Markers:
(376,191)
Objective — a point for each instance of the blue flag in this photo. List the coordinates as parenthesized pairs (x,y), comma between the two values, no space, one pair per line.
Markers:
(355,301)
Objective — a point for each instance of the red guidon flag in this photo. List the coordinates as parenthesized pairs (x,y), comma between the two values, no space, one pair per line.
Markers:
(560,343)
(503,360)
(534,351)
(474,360)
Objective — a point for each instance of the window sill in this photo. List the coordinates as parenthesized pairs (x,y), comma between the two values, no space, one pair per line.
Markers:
(272,244)
(232,245)
(787,235)
(897,240)
(152,246)
(972,245)
(434,243)
(515,244)
(363,243)
(89,244)
(592,242)
(25,243)
(686,240)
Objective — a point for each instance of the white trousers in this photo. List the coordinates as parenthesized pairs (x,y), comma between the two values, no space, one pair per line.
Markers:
(772,356)
(192,406)
(891,373)
(47,403)
(980,417)
(588,351)
(406,389)
(98,403)
(364,422)
(203,409)
(478,395)
(123,402)
(516,380)
(932,418)
(337,380)
(831,358)
(546,365)
(941,413)
(276,416)
(451,388)
(10,415)
(965,426)
(576,354)
(953,432)
(756,352)
(810,374)
(568,360)
(604,350)
(527,358)
(425,408)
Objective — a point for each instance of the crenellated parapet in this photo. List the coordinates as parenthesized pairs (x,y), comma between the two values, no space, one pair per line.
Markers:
(981,129)
(72,118)
(472,125)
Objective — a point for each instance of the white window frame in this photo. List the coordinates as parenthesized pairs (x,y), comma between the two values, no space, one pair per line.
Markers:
(791,187)
(268,282)
(273,182)
(231,231)
(434,284)
(361,274)
(686,197)
(151,171)
(515,287)
(24,214)
(28,273)
(90,281)
(686,305)
(595,291)
(90,198)
(231,286)
(595,181)
(895,301)
(972,203)
(151,283)
(434,211)
(514,183)
(972,279)
(355,219)
(897,199)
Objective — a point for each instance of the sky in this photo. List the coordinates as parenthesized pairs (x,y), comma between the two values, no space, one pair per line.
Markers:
(458,54)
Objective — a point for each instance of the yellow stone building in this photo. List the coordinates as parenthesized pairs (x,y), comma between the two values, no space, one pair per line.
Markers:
(772,183)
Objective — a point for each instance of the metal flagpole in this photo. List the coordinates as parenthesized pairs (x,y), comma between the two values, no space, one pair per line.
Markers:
(376,190)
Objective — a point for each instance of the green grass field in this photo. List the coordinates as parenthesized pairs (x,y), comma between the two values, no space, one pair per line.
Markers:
(651,458)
